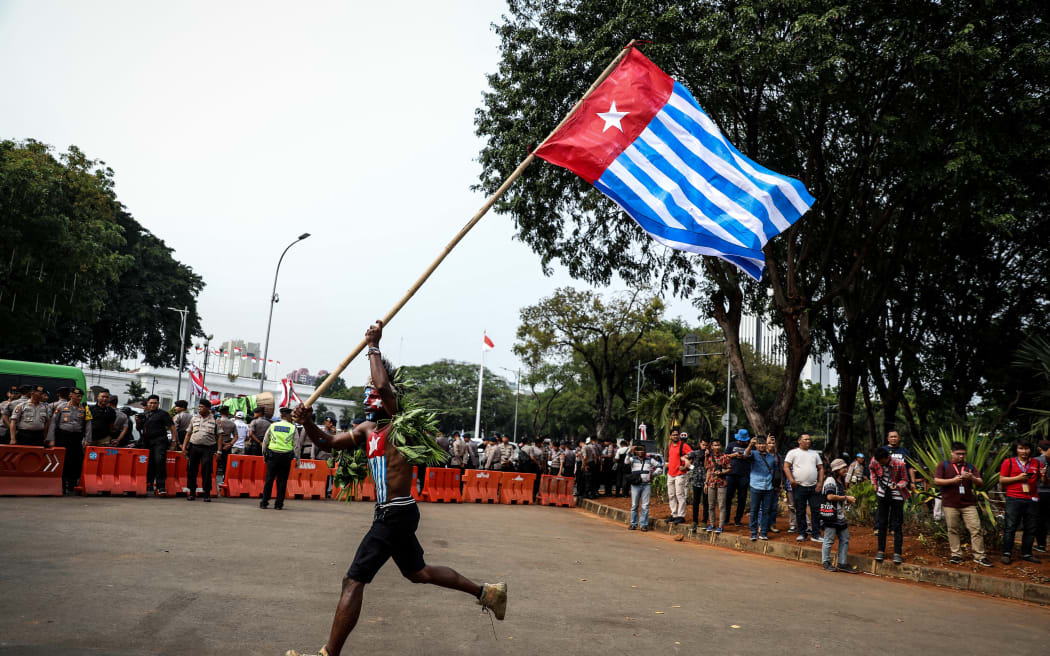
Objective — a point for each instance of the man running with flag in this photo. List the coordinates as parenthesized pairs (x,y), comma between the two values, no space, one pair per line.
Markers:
(393,531)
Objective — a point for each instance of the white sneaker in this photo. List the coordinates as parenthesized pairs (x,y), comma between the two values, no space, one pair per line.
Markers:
(292,652)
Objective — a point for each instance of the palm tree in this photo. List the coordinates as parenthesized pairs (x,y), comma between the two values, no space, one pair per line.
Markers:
(1034,356)
(691,403)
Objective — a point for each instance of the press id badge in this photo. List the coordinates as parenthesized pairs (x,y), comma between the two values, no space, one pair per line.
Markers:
(962,489)
(1024,488)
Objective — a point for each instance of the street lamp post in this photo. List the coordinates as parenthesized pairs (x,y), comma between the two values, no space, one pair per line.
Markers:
(182,348)
(517,391)
(273,299)
(638,389)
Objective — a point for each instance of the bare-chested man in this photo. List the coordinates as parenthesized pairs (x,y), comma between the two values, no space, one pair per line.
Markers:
(393,532)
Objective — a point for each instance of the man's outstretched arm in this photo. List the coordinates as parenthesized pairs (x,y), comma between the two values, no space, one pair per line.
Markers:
(349,440)
(380,378)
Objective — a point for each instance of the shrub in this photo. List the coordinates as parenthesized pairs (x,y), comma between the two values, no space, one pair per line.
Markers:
(659,488)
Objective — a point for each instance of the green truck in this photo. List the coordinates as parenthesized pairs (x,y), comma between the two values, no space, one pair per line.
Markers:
(51,376)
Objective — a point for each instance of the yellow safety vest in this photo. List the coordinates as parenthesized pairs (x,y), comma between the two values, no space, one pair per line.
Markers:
(282,436)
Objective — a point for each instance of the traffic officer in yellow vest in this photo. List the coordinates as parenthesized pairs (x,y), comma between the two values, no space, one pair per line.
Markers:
(277,449)
(70,429)
(29,421)
(199,447)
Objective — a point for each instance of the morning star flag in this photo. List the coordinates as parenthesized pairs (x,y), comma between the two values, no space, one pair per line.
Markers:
(643,141)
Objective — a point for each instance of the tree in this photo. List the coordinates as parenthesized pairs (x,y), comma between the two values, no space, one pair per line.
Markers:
(136,391)
(930,116)
(451,389)
(107,292)
(690,404)
(338,390)
(603,335)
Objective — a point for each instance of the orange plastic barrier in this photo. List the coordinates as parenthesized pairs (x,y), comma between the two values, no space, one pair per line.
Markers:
(442,485)
(177,480)
(556,491)
(307,479)
(245,476)
(114,471)
(31,471)
(516,488)
(480,486)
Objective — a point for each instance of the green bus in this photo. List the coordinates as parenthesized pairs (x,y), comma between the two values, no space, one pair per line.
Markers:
(51,376)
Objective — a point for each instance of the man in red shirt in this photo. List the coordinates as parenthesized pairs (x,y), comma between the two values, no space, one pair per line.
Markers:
(1019,476)
(676,476)
(957,479)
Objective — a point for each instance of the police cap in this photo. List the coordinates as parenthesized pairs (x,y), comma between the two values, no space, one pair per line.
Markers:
(285,411)
(39,388)
(76,390)
(206,403)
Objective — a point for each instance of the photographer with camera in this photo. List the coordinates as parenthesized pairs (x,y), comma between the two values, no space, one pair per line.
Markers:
(639,472)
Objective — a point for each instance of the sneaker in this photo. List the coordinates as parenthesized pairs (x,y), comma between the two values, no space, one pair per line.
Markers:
(160,492)
(879,557)
(801,538)
(791,529)
(955,560)
(1006,559)
(191,497)
(632,528)
(1030,558)
(264,504)
(828,567)
(897,560)
(774,529)
(494,598)
(848,569)
(763,537)
(754,537)
(709,528)
(292,652)
(206,499)
(814,538)
(1039,549)
(718,530)
(983,561)
(645,529)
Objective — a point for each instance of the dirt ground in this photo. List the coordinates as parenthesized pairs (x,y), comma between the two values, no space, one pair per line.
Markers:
(918,549)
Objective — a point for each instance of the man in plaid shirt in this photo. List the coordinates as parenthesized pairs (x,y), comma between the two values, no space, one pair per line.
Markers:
(891,481)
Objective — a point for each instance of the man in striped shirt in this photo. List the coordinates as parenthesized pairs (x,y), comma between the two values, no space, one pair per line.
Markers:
(393,531)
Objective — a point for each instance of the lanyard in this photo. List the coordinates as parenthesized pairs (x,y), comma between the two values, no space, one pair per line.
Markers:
(1024,467)
(958,471)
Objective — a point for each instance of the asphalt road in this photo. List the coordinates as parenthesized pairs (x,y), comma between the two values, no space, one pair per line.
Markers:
(160,576)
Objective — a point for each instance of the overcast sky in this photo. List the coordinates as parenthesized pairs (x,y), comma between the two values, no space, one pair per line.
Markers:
(235,126)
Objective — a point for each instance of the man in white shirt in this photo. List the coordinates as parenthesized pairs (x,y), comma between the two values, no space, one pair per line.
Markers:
(242,429)
(804,470)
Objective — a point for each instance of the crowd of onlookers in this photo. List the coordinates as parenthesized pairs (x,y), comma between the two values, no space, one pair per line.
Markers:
(750,473)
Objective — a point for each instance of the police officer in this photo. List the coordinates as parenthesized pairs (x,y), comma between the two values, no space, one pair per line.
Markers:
(155,425)
(29,421)
(70,429)
(182,419)
(226,437)
(6,408)
(199,447)
(63,398)
(102,418)
(260,426)
(121,426)
(277,449)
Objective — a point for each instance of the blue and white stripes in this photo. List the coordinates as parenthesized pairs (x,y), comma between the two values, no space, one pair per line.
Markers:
(378,466)
(692,190)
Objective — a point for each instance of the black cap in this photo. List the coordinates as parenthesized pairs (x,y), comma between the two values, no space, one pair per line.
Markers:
(76,390)
(224,409)
(206,403)
(285,411)
(62,390)
(38,388)
(25,389)
(181,404)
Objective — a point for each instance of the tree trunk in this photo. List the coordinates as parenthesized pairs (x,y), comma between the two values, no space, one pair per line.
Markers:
(869,412)
(846,406)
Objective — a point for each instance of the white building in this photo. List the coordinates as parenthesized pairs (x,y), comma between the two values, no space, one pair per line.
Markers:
(164,383)
(768,342)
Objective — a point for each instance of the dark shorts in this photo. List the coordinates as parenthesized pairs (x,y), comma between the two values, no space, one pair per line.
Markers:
(393,535)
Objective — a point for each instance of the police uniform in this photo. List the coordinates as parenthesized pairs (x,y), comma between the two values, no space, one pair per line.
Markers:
(259,426)
(279,451)
(30,421)
(182,424)
(226,430)
(6,408)
(203,436)
(70,429)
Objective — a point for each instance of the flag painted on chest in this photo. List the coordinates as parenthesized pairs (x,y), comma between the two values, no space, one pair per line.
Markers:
(643,141)
(375,449)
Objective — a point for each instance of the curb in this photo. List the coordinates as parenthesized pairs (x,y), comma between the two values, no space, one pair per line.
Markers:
(990,585)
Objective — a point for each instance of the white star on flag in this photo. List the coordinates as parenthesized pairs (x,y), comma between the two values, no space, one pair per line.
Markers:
(612,117)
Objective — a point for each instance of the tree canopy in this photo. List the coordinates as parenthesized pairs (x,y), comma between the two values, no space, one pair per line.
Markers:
(82,279)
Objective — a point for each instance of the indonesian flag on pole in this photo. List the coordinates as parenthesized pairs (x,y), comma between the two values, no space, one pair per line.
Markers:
(289,394)
(643,140)
(641,431)
(486,343)
(197,380)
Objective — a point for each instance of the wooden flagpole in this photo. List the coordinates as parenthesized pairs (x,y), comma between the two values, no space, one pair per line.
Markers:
(463,232)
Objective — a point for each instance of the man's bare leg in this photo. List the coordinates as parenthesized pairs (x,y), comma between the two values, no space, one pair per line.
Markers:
(446,577)
(346,614)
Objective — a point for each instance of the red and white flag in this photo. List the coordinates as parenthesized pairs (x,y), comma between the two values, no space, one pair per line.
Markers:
(486,343)
(197,381)
(289,394)
(641,430)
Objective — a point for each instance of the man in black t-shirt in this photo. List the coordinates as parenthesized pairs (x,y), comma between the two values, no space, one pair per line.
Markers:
(738,481)
(155,426)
